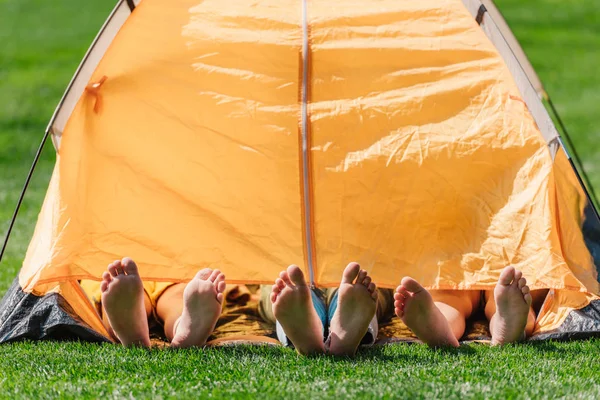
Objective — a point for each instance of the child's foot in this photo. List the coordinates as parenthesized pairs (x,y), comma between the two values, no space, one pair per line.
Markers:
(513,301)
(123,302)
(293,309)
(415,307)
(202,304)
(357,303)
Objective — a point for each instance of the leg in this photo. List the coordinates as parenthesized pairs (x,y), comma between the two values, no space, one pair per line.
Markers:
(265,307)
(438,317)
(169,308)
(385,304)
(190,312)
(293,308)
(509,310)
(356,307)
(124,302)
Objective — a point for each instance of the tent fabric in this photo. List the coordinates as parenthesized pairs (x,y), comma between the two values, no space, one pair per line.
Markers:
(518,66)
(418,154)
(513,43)
(85,70)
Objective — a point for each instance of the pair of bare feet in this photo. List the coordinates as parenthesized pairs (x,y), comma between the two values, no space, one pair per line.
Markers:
(417,309)
(123,301)
(293,308)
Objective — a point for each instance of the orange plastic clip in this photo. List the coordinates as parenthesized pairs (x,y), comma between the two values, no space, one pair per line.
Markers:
(93,89)
(517,98)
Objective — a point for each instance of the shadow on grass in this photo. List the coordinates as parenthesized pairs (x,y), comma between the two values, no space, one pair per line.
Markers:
(400,353)
(394,353)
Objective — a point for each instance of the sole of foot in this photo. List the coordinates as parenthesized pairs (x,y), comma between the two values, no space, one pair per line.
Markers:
(513,302)
(293,309)
(357,304)
(202,305)
(123,302)
(414,305)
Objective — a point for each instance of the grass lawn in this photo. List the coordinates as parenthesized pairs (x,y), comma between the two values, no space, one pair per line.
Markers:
(41,44)
(543,370)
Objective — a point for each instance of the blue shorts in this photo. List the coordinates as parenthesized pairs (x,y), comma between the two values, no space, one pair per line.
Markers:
(326,310)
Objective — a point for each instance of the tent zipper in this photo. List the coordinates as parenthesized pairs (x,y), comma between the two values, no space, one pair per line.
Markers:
(305,146)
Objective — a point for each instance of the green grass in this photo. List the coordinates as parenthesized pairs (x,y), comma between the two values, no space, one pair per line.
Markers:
(41,44)
(542,370)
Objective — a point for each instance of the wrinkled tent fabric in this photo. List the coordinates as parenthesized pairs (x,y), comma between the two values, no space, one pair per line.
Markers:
(247,136)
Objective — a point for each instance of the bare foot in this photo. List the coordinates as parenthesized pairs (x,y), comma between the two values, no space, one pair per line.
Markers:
(202,304)
(293,308)
(357,303)
(513,301)
(415,307)
(123,302)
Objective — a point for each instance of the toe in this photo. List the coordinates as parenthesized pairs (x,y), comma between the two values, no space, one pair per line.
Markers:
(129,266)
(362,275)
(221,285)
(214,275)
(119,268)
(399,308)
(112,268)
(220,298)
(506,276)
(273,297)
(525,290)
(296,275)
(401,293)
(106,277)
(203,274)
(367,281)
(404,292)
(280,283)
(104,286)
(350,273)
(371,287)
(374,294)
(411,285)
(517,278)
(522,283)
(528,299)
(286,278)
(275,289)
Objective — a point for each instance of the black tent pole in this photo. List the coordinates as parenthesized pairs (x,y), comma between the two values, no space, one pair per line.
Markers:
(14,217)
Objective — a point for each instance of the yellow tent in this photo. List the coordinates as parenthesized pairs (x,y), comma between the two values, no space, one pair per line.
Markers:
(248,135)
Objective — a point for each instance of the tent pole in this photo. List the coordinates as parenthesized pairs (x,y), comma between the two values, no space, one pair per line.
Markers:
(14,217)
(586,180)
